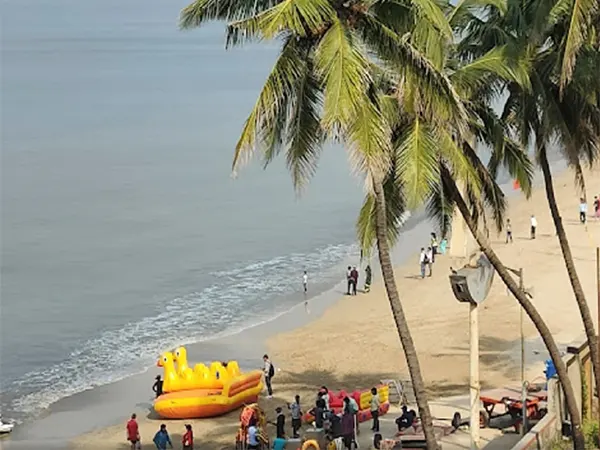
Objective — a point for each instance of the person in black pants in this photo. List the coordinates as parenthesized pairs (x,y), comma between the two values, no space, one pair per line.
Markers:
(375,404)
(268,371)
(280,424)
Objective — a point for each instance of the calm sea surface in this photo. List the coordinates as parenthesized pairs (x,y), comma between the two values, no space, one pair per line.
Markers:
(122,231)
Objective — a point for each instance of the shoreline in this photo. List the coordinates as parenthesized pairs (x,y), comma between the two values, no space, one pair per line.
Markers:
(116,399)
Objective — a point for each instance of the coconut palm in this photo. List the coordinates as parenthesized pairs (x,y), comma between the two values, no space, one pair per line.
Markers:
(321,88)
(552,110)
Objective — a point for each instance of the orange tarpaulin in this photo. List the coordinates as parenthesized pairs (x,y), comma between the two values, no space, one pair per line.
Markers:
(516,185)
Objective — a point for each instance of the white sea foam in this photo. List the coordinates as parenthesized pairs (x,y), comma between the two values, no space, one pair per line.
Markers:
(239,298)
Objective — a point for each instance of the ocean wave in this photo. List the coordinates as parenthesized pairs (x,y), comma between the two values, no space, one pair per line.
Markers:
(239,298)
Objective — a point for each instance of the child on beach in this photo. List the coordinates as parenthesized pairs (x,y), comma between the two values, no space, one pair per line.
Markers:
(296,415)
(158,386)
(133,433)
(161,438)
(375,404)
(188,438)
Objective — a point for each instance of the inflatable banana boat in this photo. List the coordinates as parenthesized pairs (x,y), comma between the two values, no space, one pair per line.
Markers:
(203,391)
(363,400)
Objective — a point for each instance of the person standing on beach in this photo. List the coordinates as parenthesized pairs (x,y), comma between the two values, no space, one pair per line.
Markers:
(368,278)
(158,386)
(305,282)
(349,280)
(354,276)
(269,371)
(188,438)
(508,231)
(133,432)
(533,226)
(597,207)
(430,260)
(253,443)
(423,260)
(434,247)
(375,404)
(296,411)
(161,438)
(582,210)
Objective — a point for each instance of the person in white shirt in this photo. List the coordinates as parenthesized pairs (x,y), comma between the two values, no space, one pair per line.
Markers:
(533,226)
(375,404)
(305,281)
(253,442)
(582,210)
(430,258)
(423,260)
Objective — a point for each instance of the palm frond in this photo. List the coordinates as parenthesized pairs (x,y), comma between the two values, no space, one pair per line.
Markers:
(440,207)
(304,133)
(344,69)
(298,17)
(417,162)
(201,11)
(430,11)
(266,122)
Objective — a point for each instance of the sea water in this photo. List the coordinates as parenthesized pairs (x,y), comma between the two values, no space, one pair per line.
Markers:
(123,233)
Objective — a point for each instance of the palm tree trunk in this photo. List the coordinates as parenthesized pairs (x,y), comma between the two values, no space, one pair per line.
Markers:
(408,345)
(534,315)
(584,309)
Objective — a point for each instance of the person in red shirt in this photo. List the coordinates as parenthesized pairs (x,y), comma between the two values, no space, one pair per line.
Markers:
(133,433)
(188,438)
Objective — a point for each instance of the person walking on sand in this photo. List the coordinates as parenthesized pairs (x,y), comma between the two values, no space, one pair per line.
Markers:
(430,260)
(509,237)
(161,438)
(305,282)
(375,404)
(188,438)
(133,432)
(434,247)
(349,280)
(157,387)
(533,226)
(582,210)
(423,261)
(296,412)
(368,278)
(269,372)
(597,207)
(354,276)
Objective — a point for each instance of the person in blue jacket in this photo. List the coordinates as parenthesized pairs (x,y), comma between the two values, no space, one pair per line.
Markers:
(161,438)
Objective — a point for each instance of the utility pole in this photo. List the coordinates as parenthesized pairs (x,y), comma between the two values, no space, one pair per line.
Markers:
(474,388)
(598,288)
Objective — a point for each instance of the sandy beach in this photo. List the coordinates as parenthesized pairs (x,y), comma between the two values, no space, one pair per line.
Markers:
(354,344)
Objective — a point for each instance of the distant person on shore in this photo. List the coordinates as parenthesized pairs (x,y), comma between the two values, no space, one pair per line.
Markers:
(133,432)
(597,207)
(582,210)
(296,412)
(324,394)
(434,247)
(430,260)
(157,387)
(509,237)
(188,438)
(305,282)
(349,280)
(533,226)
(354,276)
(368,278)
(423,261)
(253,443)
(375,404)
(269,371)
(161,438)
(279,443)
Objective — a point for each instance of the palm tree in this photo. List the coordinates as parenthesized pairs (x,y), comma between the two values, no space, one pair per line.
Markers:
(551,109)
(321,88)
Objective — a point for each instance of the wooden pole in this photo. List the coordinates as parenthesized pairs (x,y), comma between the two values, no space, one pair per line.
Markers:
(474,389)
(598,288)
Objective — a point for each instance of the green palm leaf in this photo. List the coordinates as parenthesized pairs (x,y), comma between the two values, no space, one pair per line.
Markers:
(201,11)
